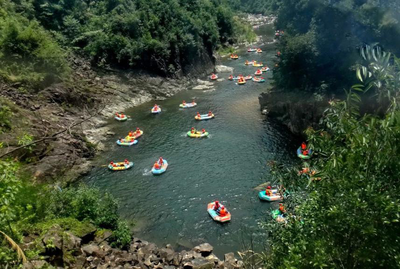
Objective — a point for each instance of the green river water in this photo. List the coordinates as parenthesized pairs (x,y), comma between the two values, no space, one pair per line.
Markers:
(227,166)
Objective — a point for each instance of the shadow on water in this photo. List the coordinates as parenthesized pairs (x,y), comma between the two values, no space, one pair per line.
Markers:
(171,208)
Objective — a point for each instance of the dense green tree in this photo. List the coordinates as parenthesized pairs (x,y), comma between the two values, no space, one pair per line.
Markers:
(350,218)
(322,38)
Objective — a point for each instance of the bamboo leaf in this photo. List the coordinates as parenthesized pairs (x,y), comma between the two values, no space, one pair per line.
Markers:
(15,247)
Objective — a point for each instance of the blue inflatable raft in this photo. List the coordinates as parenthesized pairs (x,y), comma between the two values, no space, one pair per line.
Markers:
(161,170)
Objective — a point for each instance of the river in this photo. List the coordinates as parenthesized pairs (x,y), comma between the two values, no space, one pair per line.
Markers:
(227,166)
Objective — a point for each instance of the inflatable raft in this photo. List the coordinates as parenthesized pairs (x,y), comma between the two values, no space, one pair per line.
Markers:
(265,69)
(119,118)
(120,166)
(258,73)
(161,170)
(197,134)
(259,80)
(258,65)
(241,82)
(234,57)
(156,111)
(204,117)
(276,215)
(259,50)
(127,142)
(214,215)
(248,77)
(275,196)
(137,135)
(188,105)
(251,50)
(234,78)
(214,77)
(304,157)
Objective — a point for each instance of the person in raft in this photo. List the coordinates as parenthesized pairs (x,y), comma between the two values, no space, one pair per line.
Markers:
(126,162)
(155,107)
(183,102)
(203,131)
(304,148)
(130,133)
(216,206)
(137,130)
(161,161)
(192,131)
(268,191)
(193,102)
(157,166)
(247,62)
(223,212)
(113,164)
(282,209)
(230,77)
(209,113)
(198,115)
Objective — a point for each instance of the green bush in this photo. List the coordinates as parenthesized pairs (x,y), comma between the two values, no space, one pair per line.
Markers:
(25,208)
(28,53)
(350,217)
(85,204)
(322,38)
(121,237)
(5,118)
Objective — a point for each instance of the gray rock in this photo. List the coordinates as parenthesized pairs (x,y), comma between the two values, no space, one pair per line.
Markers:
(36,264)
(223,69)
(103,266)
(202,263)
(71,241)
(52,239)
(229,257)
(205,249)
(213,258)
(95,263)
(202,87)
(188,265)
(90,249)
(167,254)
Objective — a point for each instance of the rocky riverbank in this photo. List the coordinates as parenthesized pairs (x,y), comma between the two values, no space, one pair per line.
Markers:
(91,249)
(68,120)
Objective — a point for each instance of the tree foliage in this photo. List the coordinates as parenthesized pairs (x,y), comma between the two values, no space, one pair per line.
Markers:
(322,39)
(25,207)
(27,51)
(350,218)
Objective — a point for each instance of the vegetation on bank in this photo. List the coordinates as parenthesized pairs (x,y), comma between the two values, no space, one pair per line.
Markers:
(165,37)
(36,38)
(321,40)
(265,7)
(350,217)
(26,208)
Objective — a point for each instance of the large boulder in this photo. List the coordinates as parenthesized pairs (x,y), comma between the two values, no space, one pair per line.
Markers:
(90,250)
(202,263)
(52,239)
(167,254)
(205,249)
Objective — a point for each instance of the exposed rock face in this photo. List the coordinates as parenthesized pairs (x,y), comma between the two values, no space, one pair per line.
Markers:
(223,69)
(141,254)
(297,111)
(94,95)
